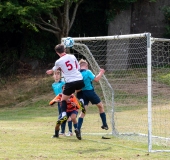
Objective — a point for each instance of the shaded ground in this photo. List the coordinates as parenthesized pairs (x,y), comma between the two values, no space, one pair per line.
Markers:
(22,88)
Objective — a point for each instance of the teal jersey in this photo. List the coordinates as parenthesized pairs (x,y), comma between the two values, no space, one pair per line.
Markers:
(88,77)
(57,87)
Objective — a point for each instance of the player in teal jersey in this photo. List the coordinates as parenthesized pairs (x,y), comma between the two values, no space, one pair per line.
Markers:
(87,94)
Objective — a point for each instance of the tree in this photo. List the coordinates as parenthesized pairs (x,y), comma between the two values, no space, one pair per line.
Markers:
(55,16)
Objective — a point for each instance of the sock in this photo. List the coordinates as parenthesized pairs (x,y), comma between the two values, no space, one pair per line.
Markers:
(70,126)
(103,118)
(75,126)
(63,107)
(63,126)
(80,122)
(63,114)
(56,132)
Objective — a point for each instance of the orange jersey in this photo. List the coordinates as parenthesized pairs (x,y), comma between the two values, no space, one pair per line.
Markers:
(70,101)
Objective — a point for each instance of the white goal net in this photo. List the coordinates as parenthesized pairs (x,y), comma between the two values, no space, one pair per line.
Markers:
(135,89)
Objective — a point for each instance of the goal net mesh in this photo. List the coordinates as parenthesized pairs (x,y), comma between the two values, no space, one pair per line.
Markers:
(123,88)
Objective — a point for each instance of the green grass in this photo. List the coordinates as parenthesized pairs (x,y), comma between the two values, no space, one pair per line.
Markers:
(26,132)
(27,123)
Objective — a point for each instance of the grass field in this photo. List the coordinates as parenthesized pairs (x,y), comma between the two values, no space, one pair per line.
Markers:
(27,123)
(26,134)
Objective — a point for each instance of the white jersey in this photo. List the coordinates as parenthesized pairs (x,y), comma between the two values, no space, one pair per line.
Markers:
(70,68)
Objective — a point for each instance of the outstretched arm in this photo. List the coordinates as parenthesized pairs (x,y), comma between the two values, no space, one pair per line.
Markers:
(97,78)
(49,71)
(56,99)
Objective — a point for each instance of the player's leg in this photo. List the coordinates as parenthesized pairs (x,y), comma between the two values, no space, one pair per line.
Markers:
(57,129)
(94,99)
(78,86)
(69,121)
(79,95)
(68,90)
(63,126)
(80,120)
(63,117)
(74,120)
(102,115)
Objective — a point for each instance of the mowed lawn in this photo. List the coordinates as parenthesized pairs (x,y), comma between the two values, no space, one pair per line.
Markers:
(26,130)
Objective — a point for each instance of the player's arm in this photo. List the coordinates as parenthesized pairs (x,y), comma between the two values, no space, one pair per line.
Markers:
(97,78)
(50,71)
(56,99)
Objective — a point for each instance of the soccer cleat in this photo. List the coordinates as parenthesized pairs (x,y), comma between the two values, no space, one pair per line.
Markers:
(69,134)
(63,134)
(105,127)
(78,134)
(62,119)
(55,136)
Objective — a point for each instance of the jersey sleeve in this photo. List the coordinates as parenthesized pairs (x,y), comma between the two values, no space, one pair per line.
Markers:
(57,98)
(55,66)
(91,75)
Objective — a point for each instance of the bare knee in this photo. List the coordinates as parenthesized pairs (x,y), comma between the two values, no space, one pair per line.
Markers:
(100,107)
(82,115)
(73,118)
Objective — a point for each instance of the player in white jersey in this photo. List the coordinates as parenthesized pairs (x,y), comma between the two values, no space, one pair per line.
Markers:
(74,79)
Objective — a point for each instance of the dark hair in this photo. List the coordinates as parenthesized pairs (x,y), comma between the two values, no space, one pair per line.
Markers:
(59,48)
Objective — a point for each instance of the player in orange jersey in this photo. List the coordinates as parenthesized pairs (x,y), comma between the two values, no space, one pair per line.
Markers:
(72,110)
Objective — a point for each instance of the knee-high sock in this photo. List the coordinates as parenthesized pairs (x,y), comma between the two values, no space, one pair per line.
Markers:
(80,122)
(75,126)
(70,126)
(63,107)
(63,126)
(103,118)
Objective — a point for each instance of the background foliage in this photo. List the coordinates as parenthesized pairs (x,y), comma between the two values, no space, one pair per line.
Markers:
(22,41)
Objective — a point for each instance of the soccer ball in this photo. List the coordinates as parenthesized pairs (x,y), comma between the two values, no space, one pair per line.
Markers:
(69,42)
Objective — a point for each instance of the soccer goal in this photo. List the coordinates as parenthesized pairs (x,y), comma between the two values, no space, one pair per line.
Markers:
(135,89)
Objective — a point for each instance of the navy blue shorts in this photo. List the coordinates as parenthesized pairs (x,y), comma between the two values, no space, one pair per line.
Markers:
(89,96)
(73,112)
(72,86)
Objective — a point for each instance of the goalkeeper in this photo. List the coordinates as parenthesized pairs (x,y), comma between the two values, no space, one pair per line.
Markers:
(72,111)
(88,95)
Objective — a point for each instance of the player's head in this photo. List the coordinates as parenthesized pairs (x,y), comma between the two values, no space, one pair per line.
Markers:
(57,75)
(59,48)
(83,63)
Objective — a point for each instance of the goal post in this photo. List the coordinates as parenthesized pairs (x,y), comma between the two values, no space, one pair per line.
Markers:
(135,86)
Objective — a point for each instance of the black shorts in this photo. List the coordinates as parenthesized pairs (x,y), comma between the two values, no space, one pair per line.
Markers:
(72,86)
